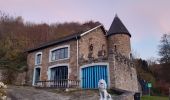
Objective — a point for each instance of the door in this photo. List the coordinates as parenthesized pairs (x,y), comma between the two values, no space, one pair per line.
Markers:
(36,75)
(92,74)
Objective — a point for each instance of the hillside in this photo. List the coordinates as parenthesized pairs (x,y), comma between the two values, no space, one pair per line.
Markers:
(17,36)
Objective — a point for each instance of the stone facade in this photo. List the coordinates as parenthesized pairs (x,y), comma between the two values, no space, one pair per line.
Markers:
(92,48)
(46,64)
(123,72)
(92,45)
(120,43)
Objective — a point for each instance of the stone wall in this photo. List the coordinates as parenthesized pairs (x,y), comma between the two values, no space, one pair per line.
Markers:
(9,76)
(123,73)
(31,65)
(92,45)
(45,61)
(122,43)
(20,78)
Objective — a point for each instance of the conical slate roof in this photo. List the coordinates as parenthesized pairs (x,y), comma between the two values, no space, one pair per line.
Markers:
(117,27)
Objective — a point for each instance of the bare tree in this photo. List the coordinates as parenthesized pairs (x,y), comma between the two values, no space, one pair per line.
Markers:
(164,49)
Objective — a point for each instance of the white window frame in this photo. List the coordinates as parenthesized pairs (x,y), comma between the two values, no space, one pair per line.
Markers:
(34,72)
(51,50)
(36,58)
(57,65)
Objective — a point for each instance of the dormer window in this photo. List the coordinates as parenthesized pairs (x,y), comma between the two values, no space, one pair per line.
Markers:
(59,53)
(38,58)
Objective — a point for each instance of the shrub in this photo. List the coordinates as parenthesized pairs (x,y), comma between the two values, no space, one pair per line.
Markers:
(2,91)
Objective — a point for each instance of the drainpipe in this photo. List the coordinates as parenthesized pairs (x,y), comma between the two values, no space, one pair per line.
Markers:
(77,58)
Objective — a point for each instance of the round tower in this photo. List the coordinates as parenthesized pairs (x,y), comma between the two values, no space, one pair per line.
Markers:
(119,38)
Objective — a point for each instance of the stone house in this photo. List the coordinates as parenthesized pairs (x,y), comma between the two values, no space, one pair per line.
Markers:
(87,57)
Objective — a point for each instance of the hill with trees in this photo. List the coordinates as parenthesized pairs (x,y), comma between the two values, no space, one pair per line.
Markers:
(17,36)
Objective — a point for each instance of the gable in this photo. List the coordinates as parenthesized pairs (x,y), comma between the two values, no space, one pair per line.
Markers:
(95,39)
(93,29)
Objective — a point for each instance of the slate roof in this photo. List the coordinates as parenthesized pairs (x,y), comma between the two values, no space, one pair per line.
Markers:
(74,36)
(58,41)
(117,27)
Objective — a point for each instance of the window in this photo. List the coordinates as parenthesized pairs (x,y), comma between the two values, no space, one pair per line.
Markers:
(59,53)
(38,58)
(59,73)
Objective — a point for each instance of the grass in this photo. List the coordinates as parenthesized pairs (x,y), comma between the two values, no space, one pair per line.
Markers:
(154,98)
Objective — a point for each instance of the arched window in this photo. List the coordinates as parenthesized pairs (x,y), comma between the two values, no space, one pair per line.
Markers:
(59,53)
(38,58)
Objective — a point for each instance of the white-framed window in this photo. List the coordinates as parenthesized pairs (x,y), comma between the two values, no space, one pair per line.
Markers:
(36,75)
(59,53)
(38,58)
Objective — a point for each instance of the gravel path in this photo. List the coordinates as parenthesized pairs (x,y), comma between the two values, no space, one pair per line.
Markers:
(30,93)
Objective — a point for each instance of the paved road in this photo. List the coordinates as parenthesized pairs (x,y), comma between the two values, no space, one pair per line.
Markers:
(30,93)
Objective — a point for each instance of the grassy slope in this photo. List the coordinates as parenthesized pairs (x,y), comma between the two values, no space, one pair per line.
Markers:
(154,98)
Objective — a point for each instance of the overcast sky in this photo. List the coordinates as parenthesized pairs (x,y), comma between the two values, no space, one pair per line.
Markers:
(146,20)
